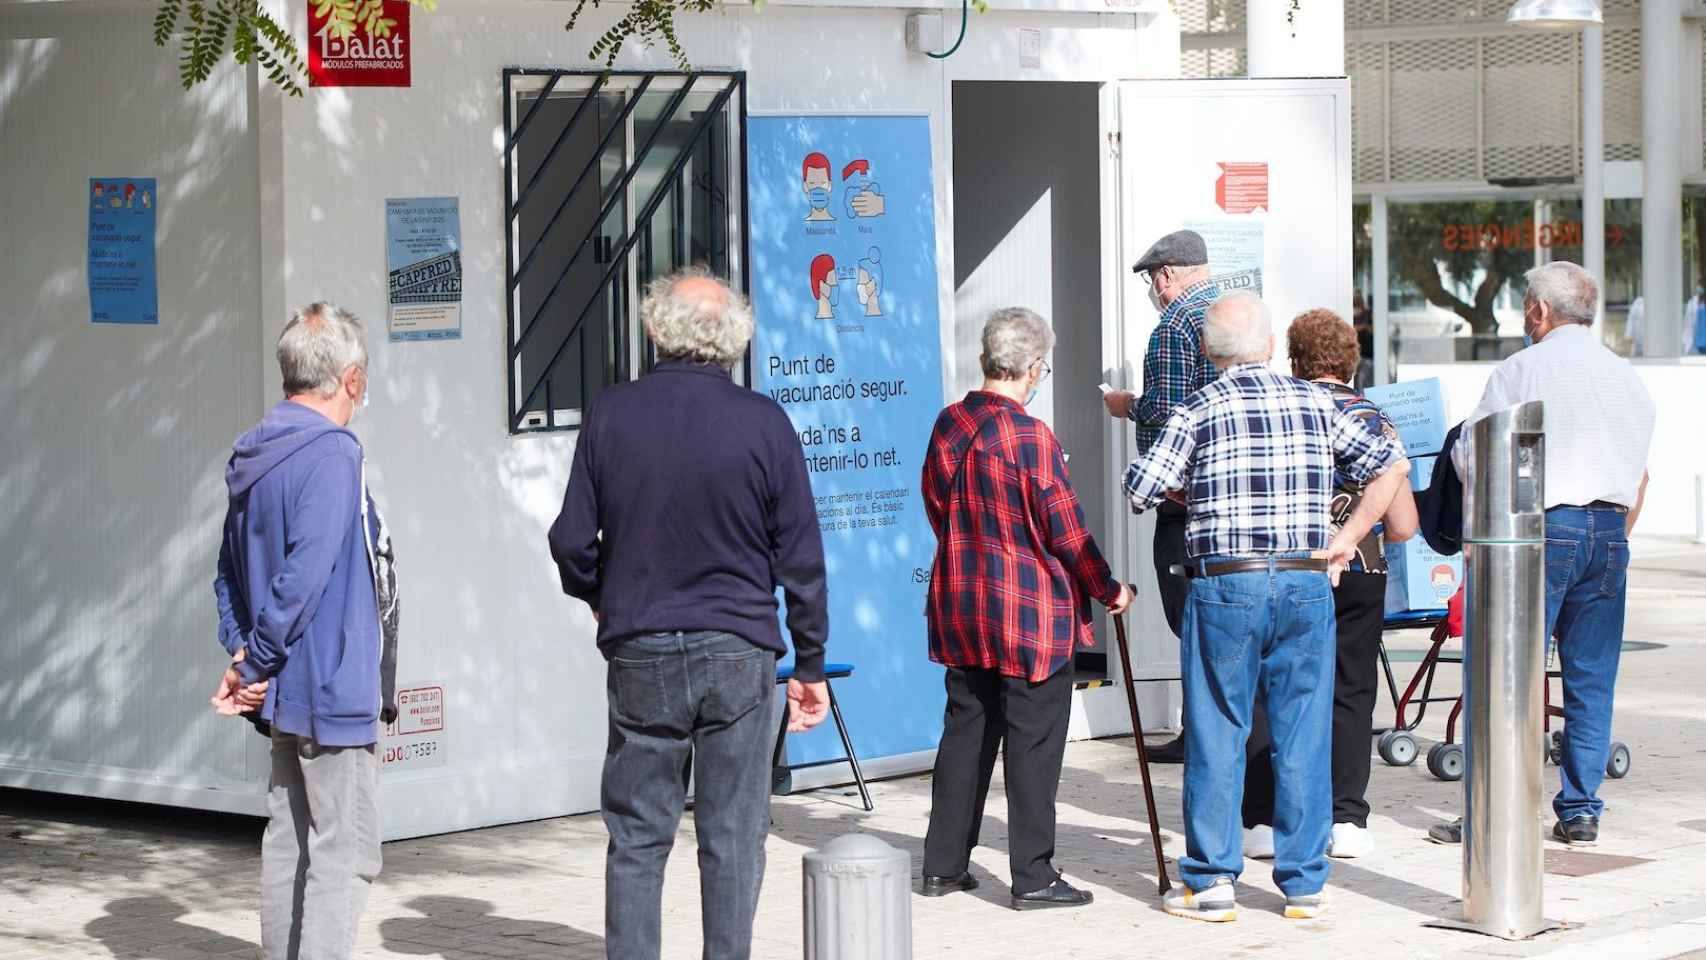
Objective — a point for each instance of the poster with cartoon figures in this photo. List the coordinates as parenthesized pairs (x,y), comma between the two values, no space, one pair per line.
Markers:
(845,292)
(122,278)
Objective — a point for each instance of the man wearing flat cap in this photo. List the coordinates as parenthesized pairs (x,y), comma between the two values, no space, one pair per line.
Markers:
(1176,271)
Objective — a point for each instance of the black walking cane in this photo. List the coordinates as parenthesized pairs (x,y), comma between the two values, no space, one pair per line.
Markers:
(1142,754)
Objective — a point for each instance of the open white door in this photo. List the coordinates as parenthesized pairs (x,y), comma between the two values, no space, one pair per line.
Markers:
(1262,168)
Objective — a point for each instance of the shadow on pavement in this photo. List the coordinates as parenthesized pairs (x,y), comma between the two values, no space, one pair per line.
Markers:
(148,928)
(445,922)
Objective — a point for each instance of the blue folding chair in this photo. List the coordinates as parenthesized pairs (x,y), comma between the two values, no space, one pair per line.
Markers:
(782,774)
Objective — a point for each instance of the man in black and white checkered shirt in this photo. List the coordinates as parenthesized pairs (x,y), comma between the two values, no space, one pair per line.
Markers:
(1253,457)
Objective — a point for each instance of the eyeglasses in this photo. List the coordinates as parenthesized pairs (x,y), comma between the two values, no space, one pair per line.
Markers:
(1046,370)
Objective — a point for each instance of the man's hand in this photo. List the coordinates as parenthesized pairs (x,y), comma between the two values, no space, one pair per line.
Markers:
(1339,555)
(1119,403)
(808,704)
(233,697)
(1123,602)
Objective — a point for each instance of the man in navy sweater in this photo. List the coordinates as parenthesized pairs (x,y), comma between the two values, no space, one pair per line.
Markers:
(688,505)
(299,615)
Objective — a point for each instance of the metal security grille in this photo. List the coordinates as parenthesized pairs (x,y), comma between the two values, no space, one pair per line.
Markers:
(1623,94)
(1433,113)
(1529,88)
(610,180)
(1366,63)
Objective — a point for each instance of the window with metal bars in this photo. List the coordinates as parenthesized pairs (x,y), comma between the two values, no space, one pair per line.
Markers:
(610,180)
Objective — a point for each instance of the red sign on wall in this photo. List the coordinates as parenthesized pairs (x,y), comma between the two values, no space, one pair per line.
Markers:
(1242,187)
(372,54)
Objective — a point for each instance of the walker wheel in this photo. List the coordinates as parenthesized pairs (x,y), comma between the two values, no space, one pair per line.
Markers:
(1617,765)
(1445,761)
(1398,748)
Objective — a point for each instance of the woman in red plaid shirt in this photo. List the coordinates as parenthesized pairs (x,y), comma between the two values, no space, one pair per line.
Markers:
(1010,594)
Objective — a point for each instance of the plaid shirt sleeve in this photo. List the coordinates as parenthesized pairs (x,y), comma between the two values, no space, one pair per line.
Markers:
(1169,374)
(1166,466)
(1066,535)
(1363,452)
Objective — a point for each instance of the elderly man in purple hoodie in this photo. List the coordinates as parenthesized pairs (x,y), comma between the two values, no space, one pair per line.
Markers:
(301,585)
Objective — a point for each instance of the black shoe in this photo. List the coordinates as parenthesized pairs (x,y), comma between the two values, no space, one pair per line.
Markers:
(1173,751)
(1057,894)
(1447,832)
(942,886)
(1582,831)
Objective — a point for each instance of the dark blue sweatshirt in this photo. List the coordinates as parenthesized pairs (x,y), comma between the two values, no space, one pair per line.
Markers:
(688,505)
(295,586)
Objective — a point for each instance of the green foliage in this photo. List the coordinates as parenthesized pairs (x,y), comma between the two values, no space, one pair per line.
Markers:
(646,20)
(207,31)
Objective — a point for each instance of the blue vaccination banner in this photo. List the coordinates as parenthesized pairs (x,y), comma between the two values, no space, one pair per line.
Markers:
(121,251)
(845,291)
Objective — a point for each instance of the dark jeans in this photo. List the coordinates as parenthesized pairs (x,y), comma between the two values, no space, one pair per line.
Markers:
(681,703)
(986,710)
(1170,522)
(1360,613)
(1587,569)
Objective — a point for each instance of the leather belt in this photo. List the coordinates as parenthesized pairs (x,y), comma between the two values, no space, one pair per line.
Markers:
(1316,564)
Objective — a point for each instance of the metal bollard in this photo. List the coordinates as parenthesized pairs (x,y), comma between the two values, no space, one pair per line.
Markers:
(1503,674)
(858,901)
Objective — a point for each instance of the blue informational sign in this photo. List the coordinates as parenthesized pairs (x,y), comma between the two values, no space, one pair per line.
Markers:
(845,290)
(423,254)
(1418,578)
(1417,409)
(121,250)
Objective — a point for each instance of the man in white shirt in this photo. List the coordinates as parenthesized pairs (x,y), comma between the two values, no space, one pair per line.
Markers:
(1599,425)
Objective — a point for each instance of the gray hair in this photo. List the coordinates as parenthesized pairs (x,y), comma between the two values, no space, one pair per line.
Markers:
(1567,288)
(318,346)
(1239,329)
(704,322)
(1013,339)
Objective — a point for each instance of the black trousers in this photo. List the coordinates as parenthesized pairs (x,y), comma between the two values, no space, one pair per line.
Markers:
(1170,521)
(1360,606)
(1027,723)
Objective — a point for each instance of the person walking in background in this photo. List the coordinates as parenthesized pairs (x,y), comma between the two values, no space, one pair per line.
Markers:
(1255,455)
(1174,367)
(1009,602)
(1599,428)
(688,504)
(307,613)
(1324,350)
(1694,322)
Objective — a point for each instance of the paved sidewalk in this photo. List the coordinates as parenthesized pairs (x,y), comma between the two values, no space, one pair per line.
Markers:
(92,880)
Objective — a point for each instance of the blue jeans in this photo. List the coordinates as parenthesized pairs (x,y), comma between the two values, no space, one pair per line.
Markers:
(1269,632)
(682,702)
(1587,567)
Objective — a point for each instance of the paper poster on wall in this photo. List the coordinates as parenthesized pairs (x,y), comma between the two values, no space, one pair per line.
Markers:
(122,277)
(844,288)
(348,51)
(1235,251)
(423,251)
(416,737)
(1242,187)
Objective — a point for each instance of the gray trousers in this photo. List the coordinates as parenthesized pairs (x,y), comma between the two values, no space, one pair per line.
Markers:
(320,852)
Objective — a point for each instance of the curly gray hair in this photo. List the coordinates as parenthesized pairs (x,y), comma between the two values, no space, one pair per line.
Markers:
(1567,288)
(1013,339)
(693,315)
(317,347)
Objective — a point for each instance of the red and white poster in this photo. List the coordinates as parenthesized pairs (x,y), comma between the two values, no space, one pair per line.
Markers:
(416,737)
(1242,187)
(358,43)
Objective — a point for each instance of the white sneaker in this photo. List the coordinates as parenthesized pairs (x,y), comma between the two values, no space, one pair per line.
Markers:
(1259,842)
(1350,841)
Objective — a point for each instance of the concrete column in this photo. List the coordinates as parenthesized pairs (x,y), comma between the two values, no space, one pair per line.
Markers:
(1661,196)
(1311,44)
(1593,159)
(1380,296)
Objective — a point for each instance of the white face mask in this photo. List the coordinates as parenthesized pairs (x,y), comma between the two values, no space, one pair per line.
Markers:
(1155,300)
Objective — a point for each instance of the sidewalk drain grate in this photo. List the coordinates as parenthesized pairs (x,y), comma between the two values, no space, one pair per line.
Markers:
(1573,863)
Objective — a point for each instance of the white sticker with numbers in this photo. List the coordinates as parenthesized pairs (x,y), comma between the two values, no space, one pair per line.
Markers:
(416,737)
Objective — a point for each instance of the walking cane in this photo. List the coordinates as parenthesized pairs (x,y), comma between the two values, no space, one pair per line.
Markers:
(1142,755)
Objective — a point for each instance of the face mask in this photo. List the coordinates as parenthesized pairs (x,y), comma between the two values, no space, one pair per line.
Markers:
(1527,341)
(819,198)
(1155,300)
(832,293)
(864,294)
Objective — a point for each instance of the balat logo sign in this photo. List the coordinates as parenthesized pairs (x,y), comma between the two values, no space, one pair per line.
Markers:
(358,43)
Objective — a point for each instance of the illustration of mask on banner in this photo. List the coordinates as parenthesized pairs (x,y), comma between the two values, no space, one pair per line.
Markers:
(825,287)
(870,282)
(815,180)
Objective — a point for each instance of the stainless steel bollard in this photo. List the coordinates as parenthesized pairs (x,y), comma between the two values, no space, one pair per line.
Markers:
(858,901)
(1504,667)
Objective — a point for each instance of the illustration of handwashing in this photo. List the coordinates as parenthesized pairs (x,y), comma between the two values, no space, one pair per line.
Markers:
(826,287)
(869,280)
(862,195)
(815,181)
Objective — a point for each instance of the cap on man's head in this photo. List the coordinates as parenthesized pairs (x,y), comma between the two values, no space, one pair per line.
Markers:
(1181,248)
